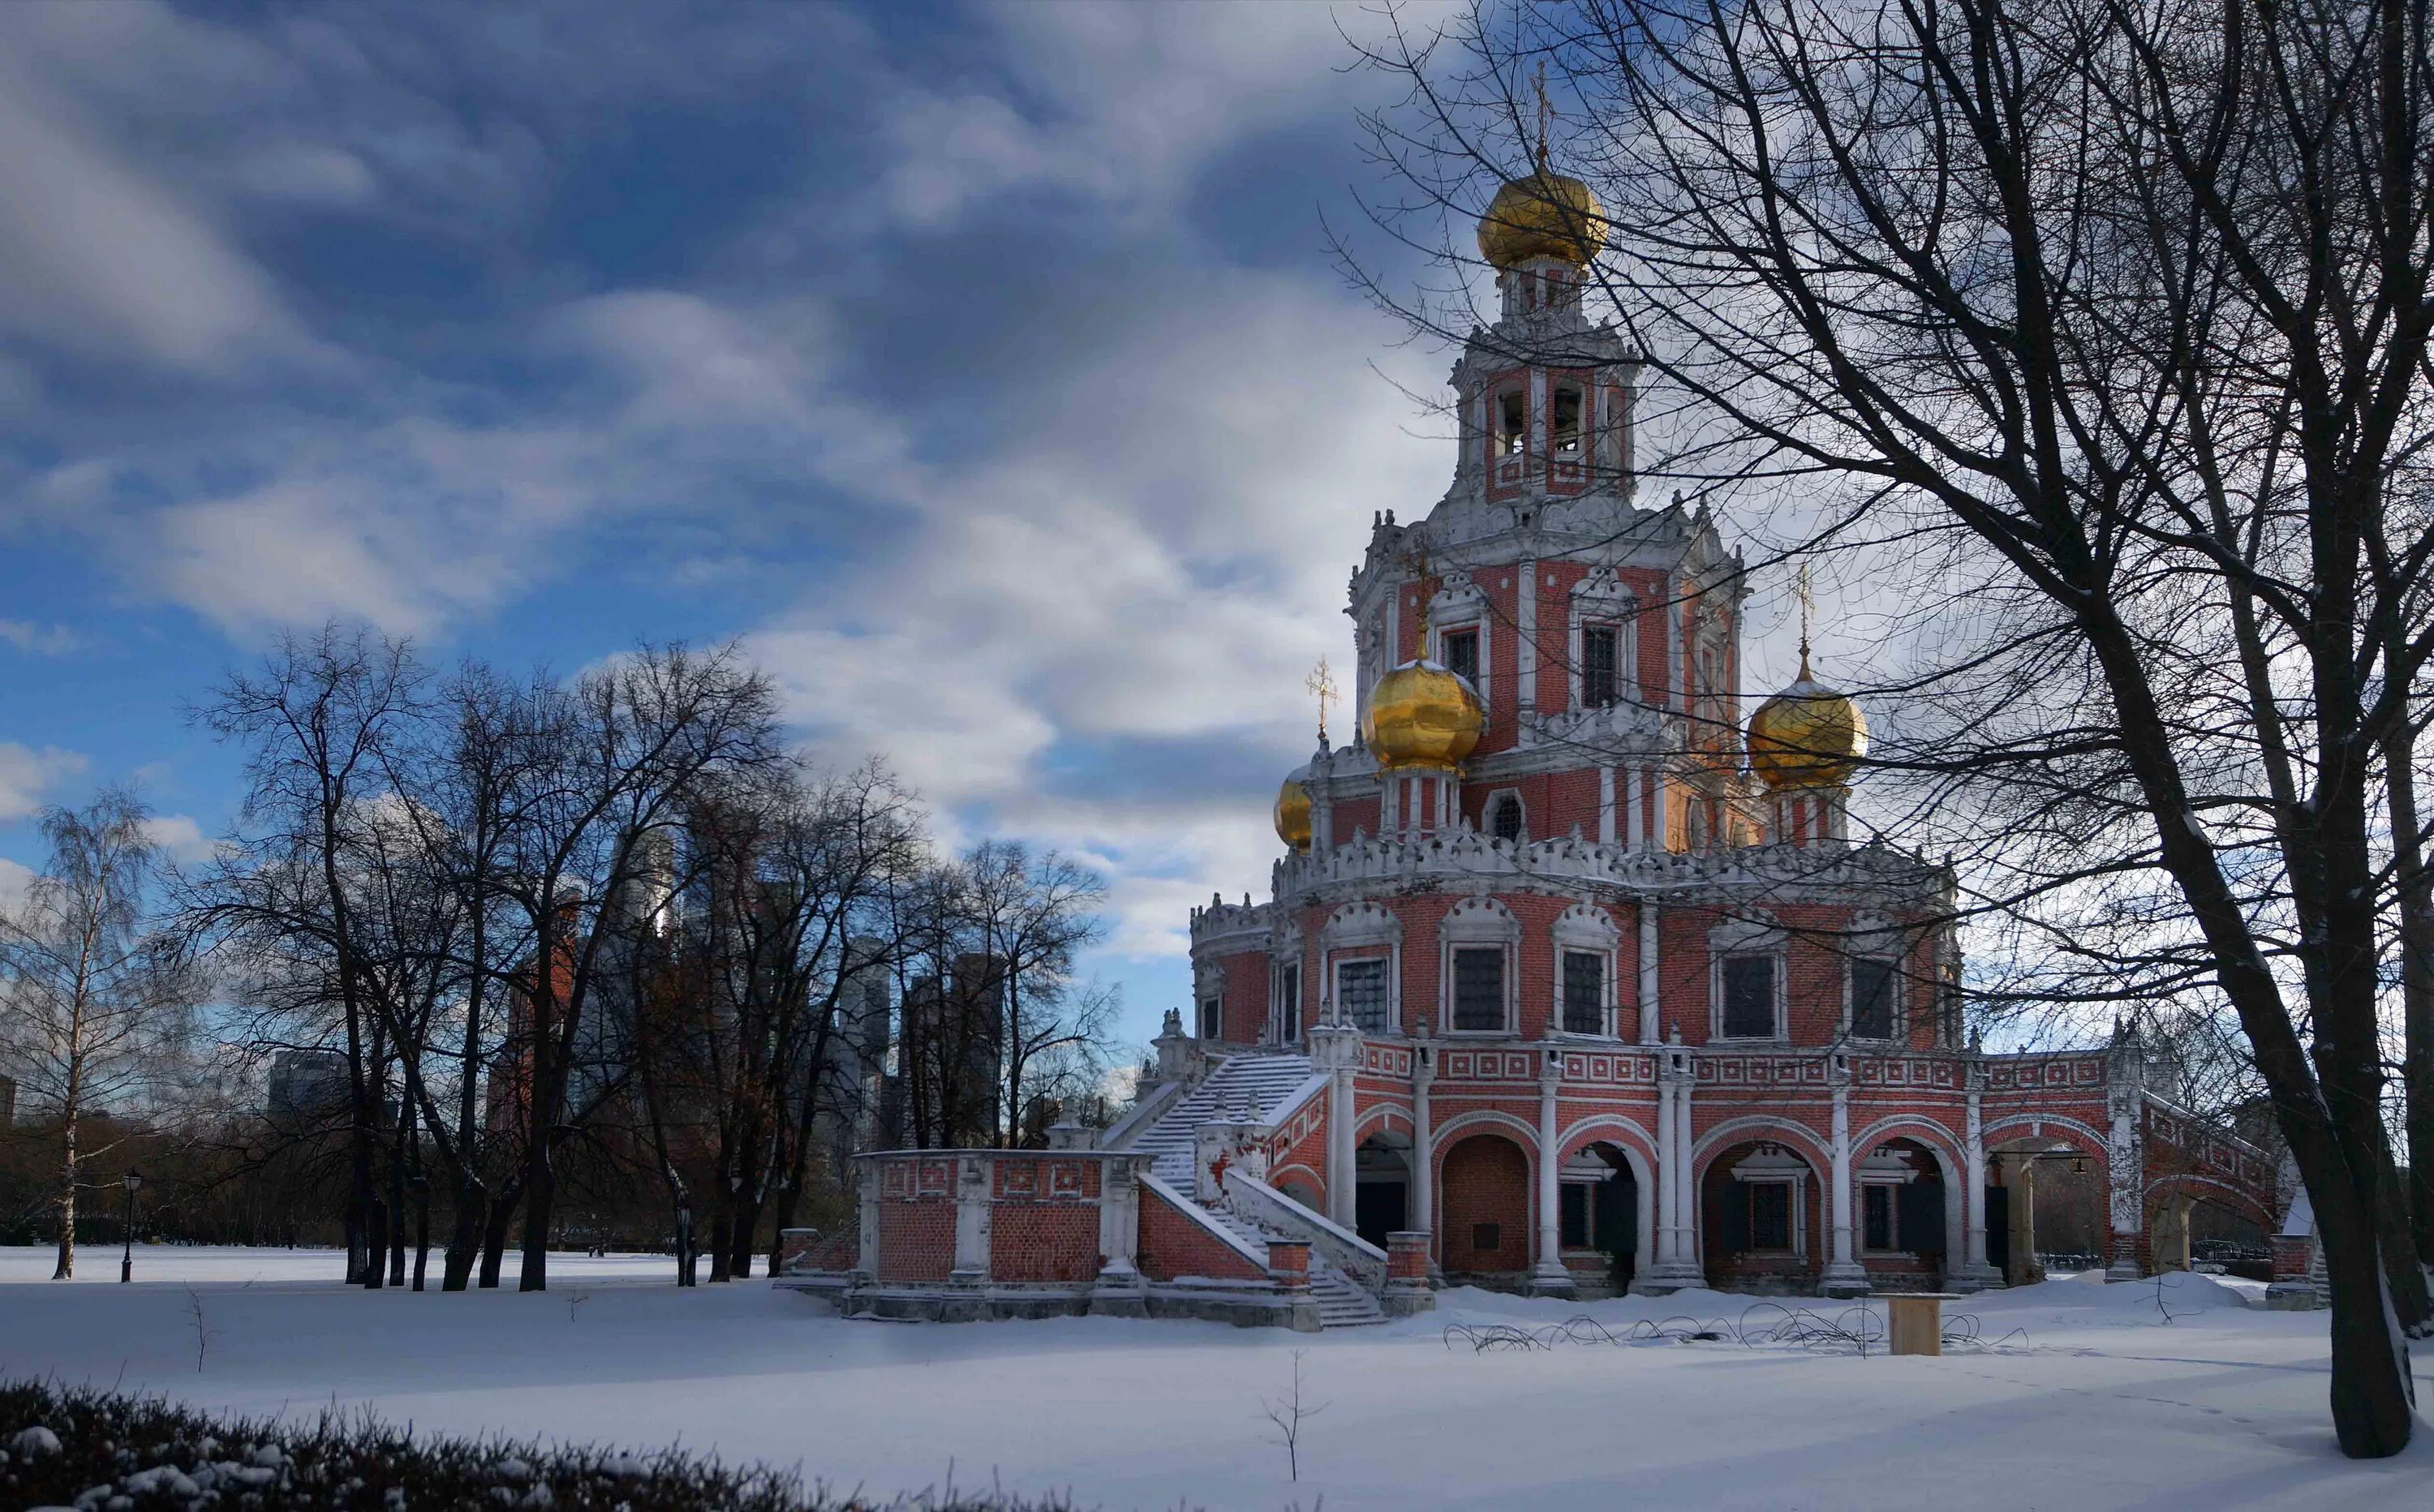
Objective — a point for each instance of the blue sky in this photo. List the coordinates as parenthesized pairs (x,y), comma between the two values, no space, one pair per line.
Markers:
(983,368)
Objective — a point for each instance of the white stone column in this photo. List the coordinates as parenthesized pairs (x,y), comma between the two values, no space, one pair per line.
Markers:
(1342,1178)
(973,1174)
(1635,808)
(1525,655)
(1669,1165)
(1423,1216)
(1843,1275)
(1649,1034)
(1549,1274)
(1974,1273)
(1119,1220)
(1606,806)
(1685,1196)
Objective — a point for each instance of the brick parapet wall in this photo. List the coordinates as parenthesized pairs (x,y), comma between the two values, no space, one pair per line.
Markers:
(1042,1213)
(1173,1244)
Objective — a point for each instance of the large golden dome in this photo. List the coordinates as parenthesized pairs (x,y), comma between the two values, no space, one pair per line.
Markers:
(1546,214)
(1422,715)
(1807,735)
(1292,812)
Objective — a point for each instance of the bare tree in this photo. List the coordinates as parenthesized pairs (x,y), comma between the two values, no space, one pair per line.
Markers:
(2103,328)
(90,999)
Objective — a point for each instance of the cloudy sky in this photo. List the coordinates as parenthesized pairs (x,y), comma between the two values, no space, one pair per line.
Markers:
(984,368)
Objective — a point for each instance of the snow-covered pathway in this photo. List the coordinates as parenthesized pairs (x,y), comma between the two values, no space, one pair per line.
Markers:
(2109,1406)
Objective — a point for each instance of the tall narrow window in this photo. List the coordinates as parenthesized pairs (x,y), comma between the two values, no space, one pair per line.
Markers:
(1504,817)
(1769,1215)
(1479,989)
(1288,1001)
(1749,997)
(1574,1212)
(1361,993)
(1871,999)
(1598,656)
(1208,1007)
(1459,650)
(1512,422)
(1563,437)
(1584,993)
(1876,1207)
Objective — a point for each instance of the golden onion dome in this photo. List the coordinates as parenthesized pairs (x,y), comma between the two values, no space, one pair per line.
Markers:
(1292,812)
(1807,735)
(1546,214)
(1422,715)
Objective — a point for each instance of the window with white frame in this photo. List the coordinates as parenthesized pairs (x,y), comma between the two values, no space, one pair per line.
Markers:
(1874,983)
(1748,983)
(1584,1007)
(1879,1215)
(1766,1206)
(1603,614)
(1601,660)
(1288,1001)
(1360,993)
(1458,652)
(1564,433)
(1504,816)
(1512,422)
(1479,989)
(1211,1016)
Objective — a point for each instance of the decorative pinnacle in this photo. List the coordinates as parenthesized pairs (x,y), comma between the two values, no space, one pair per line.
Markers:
(1545,114)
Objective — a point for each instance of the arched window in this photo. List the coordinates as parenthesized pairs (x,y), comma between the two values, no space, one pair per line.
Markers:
(1512,422)
(1504,816)
(1563,437)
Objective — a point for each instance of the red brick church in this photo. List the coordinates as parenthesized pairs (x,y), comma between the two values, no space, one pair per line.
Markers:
(1572,977)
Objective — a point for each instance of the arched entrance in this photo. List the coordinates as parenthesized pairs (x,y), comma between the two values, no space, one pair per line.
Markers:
(1761,1212)
(1485,1186)
(2045,1196)
(1902,1215)
(1598,1221)
(1381,1199)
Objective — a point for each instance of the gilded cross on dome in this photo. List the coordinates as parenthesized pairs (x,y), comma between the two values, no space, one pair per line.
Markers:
(1320,683)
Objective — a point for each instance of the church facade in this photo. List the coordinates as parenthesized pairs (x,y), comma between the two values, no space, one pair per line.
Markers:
(1570,977)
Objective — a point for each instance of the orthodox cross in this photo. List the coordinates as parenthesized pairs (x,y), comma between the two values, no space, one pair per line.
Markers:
(1546,114)
(1807,604)
(1321,686)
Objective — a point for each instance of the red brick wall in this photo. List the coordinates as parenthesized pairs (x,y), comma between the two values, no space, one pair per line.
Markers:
(1243,1019)
(1485,1178)
(1043,1241)
(1353,814)
(916,1240)
(1172,1245)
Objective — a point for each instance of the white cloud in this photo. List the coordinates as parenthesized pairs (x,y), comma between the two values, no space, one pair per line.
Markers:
(28,774)
(39,639)
(179,837)
(15,879)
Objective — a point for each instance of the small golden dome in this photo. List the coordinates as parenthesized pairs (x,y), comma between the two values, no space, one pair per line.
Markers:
(1546,214)
(1422,715)
(1292,812)
(1807,735)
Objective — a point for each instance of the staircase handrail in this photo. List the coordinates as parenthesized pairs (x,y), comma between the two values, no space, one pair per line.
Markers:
(1311,1087)
(1142,1115)
(1262,1204)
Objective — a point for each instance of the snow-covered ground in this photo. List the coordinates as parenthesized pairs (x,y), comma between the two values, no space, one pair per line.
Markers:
(2105,1405)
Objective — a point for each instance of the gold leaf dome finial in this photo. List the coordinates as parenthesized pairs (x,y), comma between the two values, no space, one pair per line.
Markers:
(1544,214)
(1292,812)
(1807,735)
(1422,715)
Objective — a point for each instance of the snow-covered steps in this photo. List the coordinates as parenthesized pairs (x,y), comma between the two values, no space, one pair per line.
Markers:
(1342,1302)
(1236,1084)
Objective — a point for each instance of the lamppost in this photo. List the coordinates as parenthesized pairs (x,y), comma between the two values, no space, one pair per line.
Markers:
(127,1258)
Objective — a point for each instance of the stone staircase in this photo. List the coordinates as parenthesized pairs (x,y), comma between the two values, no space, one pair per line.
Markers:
(1232,1088)
(1342,1302)
(1228,1088)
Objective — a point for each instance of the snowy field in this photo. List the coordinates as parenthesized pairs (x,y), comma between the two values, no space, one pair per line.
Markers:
(2105,1405)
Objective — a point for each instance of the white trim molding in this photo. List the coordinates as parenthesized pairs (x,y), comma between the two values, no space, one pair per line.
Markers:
(1469,925)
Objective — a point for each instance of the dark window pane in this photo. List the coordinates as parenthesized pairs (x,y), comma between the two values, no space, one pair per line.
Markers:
(1598,662)
(1567,419)
(1460,651)
(1749,997)
(1876,1206)
(1288,1001)
(1512,421)
(1584,992)
(1486,1237)
(1361,993)
(1575,1206)
(1479,989)
(1871,999)
(1769,1215)
(1209,1019)
(1505,823)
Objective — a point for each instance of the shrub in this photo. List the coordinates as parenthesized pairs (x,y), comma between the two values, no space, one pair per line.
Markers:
(99,1452)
